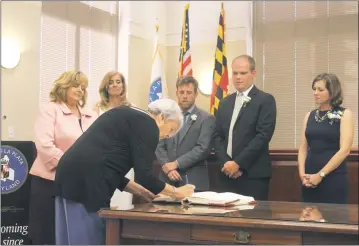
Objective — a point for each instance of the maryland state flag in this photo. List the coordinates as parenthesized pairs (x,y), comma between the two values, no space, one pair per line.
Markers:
(220,73)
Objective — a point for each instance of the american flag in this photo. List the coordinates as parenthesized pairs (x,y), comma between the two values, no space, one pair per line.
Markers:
(185,52)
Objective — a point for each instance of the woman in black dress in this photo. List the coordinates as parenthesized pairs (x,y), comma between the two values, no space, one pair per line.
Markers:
(96,164)
(326,142)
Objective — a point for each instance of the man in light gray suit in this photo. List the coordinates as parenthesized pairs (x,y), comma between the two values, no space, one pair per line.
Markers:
(183,157)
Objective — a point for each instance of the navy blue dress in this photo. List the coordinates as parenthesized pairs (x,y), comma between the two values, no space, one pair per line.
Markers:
(323,142)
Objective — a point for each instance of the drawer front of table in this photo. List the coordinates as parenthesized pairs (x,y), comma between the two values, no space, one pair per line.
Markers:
(244,235)
(156,230)
(319,238)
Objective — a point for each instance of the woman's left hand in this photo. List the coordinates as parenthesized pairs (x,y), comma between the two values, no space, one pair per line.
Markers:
(315,179)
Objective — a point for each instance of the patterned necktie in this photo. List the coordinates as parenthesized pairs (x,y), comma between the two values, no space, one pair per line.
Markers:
(237,107)
(179,134)
(185,114)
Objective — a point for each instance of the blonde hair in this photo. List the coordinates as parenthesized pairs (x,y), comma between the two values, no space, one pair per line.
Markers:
(64,82)
(103,90)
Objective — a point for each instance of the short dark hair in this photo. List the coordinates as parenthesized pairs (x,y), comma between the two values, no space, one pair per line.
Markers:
(333,85)
(185,80)
(251,61)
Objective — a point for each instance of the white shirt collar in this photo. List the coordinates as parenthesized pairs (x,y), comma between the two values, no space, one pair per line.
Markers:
(246,92)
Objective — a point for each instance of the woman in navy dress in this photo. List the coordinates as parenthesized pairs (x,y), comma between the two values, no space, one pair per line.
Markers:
(325,143)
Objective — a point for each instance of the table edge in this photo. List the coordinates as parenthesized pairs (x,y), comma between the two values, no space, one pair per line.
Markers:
(247,222)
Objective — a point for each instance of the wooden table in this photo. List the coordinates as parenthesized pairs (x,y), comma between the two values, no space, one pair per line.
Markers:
(265,223)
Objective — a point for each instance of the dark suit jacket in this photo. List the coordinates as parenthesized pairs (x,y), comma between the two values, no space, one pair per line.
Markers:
(252,133)
(96,164)
(190,149)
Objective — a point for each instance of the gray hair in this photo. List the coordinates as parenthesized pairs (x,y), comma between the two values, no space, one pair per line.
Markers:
(168,108)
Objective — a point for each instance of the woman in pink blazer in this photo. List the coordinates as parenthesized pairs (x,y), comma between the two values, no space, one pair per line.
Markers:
(58,126)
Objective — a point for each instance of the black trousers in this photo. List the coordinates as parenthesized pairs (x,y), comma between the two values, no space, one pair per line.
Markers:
(42,211)
(257,188)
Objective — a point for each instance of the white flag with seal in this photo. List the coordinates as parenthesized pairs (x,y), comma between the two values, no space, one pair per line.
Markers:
(158,86)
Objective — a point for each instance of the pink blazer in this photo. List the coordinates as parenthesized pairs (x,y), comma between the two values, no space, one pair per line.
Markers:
(56,129)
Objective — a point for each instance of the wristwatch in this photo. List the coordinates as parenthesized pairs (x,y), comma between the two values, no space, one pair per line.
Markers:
(322,174)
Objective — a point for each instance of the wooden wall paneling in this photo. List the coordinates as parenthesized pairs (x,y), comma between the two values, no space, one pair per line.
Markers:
(285,183)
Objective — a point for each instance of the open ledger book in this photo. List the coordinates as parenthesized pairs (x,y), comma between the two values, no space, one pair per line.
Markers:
(210,198)
(198,209)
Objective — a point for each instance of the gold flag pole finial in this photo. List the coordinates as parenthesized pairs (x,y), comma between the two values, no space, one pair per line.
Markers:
(157,26)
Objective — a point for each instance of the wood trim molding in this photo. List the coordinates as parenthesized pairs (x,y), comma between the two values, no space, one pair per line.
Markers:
(292,154)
